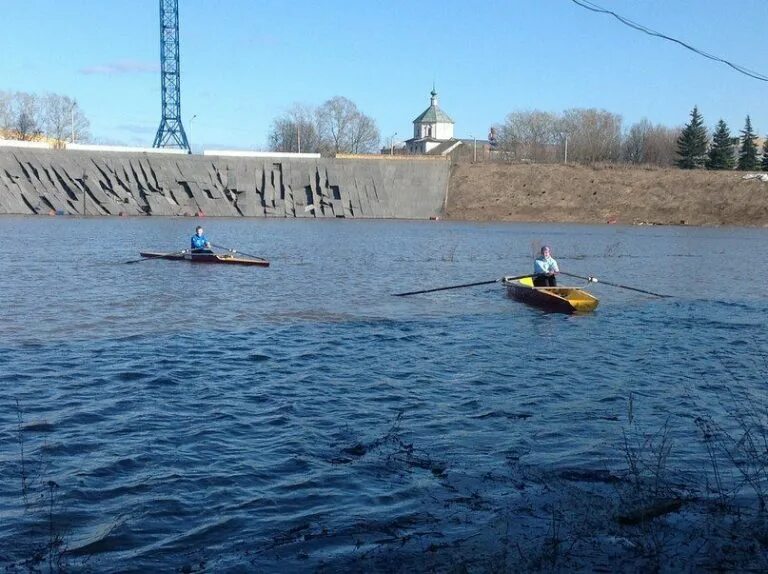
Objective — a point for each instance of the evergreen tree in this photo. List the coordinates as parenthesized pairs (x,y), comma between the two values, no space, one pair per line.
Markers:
(692,143)
(765,154)
(748,150)
(721,154)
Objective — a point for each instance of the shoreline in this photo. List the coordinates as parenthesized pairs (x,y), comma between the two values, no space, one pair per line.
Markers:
(79,183)
(401,219)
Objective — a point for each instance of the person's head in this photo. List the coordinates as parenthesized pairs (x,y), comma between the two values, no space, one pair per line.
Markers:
(198,230)
(546,251)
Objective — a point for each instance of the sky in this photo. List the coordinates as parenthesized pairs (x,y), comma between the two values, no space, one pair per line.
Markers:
(246,62)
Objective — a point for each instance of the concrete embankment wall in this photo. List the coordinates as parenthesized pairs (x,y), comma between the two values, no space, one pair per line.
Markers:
(76,182)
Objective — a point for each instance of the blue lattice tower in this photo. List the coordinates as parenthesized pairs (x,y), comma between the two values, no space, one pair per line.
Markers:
(171,133)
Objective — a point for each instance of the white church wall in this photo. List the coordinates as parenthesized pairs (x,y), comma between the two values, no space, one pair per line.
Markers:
(443,131)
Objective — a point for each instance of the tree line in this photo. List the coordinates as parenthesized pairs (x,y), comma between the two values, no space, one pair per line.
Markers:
(591,135)
(583,135)
(695,150)
(337,126)
(31,117)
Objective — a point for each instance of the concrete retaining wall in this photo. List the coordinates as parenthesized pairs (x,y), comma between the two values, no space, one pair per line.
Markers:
(85,182)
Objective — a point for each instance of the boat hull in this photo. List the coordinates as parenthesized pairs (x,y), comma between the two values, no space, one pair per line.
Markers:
(210,258)
(554,299)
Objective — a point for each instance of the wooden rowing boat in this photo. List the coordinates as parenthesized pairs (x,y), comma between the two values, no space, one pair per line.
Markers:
(556,299)
(222,258)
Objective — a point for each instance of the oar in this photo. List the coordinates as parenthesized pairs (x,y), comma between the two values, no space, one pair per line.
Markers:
(460,286)
(596,280)
(240,252)
(158,256)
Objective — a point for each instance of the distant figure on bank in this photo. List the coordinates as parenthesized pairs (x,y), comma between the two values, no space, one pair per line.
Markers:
(199,242)
(545,268)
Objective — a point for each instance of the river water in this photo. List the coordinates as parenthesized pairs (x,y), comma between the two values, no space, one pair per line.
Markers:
(162,416)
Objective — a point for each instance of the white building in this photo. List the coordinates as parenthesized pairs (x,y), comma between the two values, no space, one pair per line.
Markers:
(432,131)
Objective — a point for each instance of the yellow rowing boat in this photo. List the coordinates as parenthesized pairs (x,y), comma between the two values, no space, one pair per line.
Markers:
(557,299)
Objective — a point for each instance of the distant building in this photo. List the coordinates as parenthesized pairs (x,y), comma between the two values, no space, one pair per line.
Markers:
(432,132)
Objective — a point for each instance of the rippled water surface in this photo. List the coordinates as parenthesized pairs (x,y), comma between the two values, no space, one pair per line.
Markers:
(168,416)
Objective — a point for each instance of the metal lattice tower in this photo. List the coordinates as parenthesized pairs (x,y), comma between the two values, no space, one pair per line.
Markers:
(171,133)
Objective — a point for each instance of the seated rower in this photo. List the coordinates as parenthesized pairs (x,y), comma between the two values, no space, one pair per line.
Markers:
(545,268)
(199,243)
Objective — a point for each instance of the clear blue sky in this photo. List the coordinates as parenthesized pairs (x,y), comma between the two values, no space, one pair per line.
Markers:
(244,62)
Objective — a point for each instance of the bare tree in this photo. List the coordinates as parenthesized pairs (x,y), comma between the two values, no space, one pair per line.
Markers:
(25,116)
(335,117)
(335,127)
(593,135)
(529,135)
(5,113)
(661,146)
(345,129)
(296,131)
(63,119)
(645,143)
(636,141)
(365,134)
(507,144)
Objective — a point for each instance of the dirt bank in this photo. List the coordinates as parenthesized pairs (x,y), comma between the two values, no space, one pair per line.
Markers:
(603,194)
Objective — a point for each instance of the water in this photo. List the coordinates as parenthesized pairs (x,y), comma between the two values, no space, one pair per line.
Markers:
(166,416)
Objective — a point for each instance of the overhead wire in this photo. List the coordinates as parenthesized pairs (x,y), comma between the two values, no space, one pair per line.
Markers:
(639,27)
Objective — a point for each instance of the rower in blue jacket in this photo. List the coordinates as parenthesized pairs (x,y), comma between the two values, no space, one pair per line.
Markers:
(199,243)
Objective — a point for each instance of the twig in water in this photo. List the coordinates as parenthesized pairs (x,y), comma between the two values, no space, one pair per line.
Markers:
(709,434)
(24,485)
(53,539)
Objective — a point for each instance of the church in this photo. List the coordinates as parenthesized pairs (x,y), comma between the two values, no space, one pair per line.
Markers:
(432,132)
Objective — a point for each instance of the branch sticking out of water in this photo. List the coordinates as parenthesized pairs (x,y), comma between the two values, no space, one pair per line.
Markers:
(20,434)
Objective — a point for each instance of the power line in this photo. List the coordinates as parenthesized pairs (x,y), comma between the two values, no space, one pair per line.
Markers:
(741,69)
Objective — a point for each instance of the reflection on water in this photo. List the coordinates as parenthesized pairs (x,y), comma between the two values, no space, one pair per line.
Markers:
(173,416)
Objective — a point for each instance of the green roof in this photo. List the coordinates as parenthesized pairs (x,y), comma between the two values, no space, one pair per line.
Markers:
(433,114)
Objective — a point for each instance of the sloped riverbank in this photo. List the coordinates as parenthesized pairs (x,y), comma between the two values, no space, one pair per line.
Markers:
(605,194)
